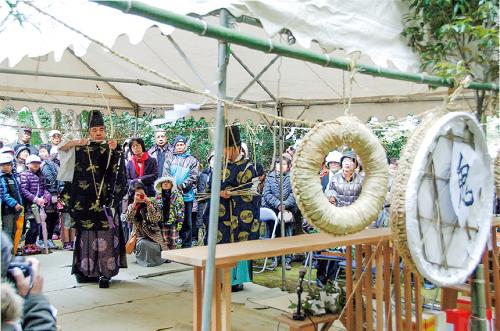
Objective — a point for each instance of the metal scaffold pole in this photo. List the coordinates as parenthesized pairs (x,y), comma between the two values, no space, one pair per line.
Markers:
(216,179)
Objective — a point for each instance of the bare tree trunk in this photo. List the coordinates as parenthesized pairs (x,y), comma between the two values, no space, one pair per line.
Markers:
(480,109)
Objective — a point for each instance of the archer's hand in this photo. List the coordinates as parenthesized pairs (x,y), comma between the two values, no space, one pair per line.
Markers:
(82,142)
(112,144)
(225,194)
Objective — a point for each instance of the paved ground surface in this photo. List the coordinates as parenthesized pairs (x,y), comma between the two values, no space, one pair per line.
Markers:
(147,299)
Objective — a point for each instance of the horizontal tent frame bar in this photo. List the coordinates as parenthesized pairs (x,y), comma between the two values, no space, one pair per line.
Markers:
(140,82)
(268,46)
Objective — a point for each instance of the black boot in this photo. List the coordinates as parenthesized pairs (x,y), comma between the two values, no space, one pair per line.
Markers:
(104,282)
(237,288)
(84,279)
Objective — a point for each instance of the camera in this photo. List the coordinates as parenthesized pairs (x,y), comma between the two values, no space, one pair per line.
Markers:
(142,196)
(22,264)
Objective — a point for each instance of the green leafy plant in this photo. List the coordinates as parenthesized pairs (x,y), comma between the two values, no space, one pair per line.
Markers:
(457,38)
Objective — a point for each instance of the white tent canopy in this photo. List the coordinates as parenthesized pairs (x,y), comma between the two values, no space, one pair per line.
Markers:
(42,46)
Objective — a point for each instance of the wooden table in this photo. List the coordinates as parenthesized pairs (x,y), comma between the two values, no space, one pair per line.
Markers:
(227,255)
(310,323)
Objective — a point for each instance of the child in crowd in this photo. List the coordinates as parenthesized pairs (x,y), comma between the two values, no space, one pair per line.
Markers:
(35,196)
(172,206)
(49,171)
(10,195)
(21,154)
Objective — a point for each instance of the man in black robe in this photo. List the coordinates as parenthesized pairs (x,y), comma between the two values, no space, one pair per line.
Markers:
(91,196)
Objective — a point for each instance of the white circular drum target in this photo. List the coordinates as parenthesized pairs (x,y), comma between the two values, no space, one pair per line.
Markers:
(442,216)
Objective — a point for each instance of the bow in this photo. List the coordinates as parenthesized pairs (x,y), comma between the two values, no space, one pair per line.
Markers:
(112,127)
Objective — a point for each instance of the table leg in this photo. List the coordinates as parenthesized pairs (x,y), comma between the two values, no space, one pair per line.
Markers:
(197,298)
(216,301)
(226,299)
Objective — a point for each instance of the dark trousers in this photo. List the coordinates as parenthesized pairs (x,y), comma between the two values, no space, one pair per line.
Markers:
(195,228)
(186,233)
(32,233)
(326,270)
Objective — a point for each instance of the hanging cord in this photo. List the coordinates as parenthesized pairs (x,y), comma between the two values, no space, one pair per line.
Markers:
(450,99)
(170,80)
(353,71)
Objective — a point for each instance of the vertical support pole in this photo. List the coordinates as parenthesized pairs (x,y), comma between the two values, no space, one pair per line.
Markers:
(279,109)
(216,180)
(478,319)
(136,119)
(349,287)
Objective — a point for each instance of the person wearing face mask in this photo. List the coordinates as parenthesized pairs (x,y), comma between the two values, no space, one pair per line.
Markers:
(345,187)
(161,151)
(93,189)
(332,161)
(271,198)
(343,190)
(184,168)
(21,155)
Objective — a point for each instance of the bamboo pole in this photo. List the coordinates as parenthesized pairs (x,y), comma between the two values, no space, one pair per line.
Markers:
(266,45)
(496,275)
(478,318)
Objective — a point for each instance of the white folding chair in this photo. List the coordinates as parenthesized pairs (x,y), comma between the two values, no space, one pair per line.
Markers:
(268,215)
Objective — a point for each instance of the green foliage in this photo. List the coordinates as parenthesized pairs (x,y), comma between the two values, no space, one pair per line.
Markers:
(457,38)
(314,301)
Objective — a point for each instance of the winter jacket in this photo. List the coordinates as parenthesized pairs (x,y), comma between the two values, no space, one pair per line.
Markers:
(49,171)
(33,186)
(184,168)
(148,179)
(271,194)
(10,193)
(345,192)
(146,221)
(37,315)
(160,155)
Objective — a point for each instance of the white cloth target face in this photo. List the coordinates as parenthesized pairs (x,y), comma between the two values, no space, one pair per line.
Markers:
(449,200)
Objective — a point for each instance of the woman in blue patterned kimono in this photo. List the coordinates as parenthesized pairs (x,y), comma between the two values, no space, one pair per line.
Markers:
(238,214)
(96,183)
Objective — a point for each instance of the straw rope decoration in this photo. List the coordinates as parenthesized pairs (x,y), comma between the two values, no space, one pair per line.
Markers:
(422,231)
(397,213)
(346,130)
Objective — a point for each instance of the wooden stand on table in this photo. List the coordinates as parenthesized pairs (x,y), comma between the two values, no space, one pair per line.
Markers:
(310,323)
